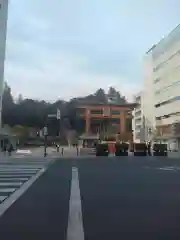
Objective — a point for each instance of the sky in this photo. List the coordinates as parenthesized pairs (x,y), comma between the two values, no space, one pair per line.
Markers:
(61,49)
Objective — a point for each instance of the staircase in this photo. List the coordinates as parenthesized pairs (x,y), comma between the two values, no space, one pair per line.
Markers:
(87,152)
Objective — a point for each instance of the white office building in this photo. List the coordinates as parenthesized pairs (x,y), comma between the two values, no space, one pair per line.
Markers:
(161,101)
(3,30)
(137,122)
(148,98)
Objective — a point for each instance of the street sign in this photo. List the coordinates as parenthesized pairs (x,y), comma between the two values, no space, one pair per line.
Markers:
(58,115)
(45,131)
(52,115)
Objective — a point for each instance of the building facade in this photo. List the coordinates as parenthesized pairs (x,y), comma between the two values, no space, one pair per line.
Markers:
(3,30)
(107,120)
(162,86)
(137,121)
(147,100)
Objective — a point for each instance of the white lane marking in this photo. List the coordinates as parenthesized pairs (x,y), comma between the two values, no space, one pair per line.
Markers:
(75,229)
(168,168)
(24,151)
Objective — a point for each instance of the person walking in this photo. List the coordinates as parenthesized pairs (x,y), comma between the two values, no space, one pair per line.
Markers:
(10,149)
(149,148)
(4,149)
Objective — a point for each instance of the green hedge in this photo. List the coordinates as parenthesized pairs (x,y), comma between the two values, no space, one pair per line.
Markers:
(160,147)
(140,147)
(102,149)
(121,149)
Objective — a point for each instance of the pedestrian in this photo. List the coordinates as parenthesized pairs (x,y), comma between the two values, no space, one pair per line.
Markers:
(62,151)
(4,149)
(10,149)
(149,148)
(77,149)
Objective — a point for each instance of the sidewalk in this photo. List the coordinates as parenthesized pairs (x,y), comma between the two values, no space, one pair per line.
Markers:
(174,154)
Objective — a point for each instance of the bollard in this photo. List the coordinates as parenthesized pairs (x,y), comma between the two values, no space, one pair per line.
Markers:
(57,148)
(77,149)
(62,151)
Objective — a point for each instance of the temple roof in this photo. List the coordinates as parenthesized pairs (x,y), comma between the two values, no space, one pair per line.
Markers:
(130,105)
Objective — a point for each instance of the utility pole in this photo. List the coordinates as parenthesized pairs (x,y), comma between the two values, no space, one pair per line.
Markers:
(45,139)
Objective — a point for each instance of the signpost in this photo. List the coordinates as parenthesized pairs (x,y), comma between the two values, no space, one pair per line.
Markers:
(58,114)
(58,117)
(45,140)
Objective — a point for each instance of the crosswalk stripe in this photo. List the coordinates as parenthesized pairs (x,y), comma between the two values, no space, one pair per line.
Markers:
(21,167)
(17,170)
(12,172)
(7,184)
(15,175)
(7,190)
(2,198)
(13,179)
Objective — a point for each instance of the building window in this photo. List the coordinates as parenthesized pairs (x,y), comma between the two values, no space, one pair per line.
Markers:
(158,118)
(106,111)
(157,80)
(168,101)
(97,111)
(157,92)
(168,115)
(115,112)
(167,87)
(162,64)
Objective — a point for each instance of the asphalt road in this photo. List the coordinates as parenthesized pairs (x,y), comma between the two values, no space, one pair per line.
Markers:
(129,198)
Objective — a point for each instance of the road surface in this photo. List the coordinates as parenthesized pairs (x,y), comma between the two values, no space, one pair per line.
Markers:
(101,198)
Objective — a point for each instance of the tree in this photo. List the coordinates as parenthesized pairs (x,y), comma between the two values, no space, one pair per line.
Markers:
(20,99)
(115,97)
(100,96)
(7,99)
(112,92)
(7,106)
(21,132)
